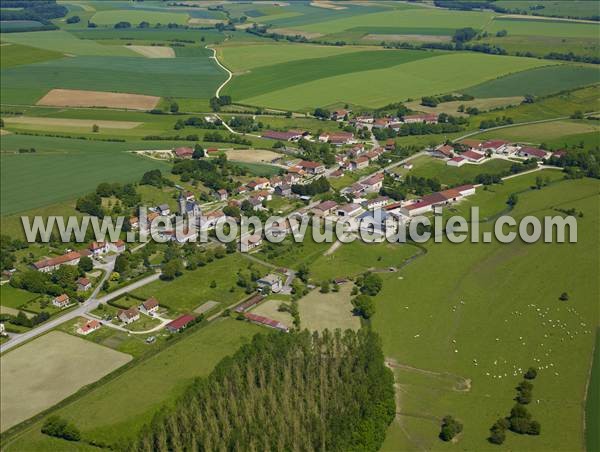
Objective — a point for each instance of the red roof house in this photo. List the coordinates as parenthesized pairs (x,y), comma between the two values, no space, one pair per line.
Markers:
(180,323)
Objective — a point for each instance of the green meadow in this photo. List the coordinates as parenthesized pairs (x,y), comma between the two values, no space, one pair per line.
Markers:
(124,404)
(535,27)
(539,81)
(545,132)
(17,55)
(462,319)
(573,8)
(374,88)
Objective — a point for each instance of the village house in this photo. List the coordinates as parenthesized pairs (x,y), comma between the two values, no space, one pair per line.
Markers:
(377,203)
(473,145)
(337,173)
(443,151)
(272,281)
(276,181)
(150,306)
(283,190)
(559,154)
(364,119)
(324,208)
(258,184)
(98,248)
(116,247)
(339,115)
(180,323)
(374,154)
(183,152)
(83,284)
(164,210)
(241,190)
(381,123)
(249,242)
(49,265)
(189,196)
(348,210)
(374,183)
(390,144)
(456,161)
(356,150)
(291,135)
(261,320)
(211,219)
(61,301)
(89,327)
(341,138)
(429,118)
(312,167)
(222,194)
(473,156)
(533,153)
(183,236)
(359,163)
(134,222)
(128,316)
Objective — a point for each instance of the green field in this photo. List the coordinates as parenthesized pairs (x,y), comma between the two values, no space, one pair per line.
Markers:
(572,8)
(134,17)
(534,27)
(124,404)
(539,82)
(592,414)
(432,168)
(17,55)
(555,131)
(70,167)
(14,298)
(196,77)
(192,289)
(371,87)
(425,326)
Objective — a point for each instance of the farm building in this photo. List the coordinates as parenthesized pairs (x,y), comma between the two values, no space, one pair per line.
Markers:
(49,265)
(495,146)
(430,118)
(473,156)
(341,138)
(359,163)
(180,323)
(249,242)
(183,152)
(533,153)
(252,301)
(377,203)
(456,161)
(348,210)
(473,145)
(128,316)
(312,167)
(266,322)
(443,151)
(61,301)
(258,184)
(427,202)
(89,327)
(324,208)
(291,135)
(373,184)
(150,306)
(339,115)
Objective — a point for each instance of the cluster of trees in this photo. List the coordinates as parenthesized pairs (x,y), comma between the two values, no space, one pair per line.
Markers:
(22,319)
(194,121)
(520,420)
(320,152)
(247,278)
(500,121)
(8,247)
(367,286)
(464,34)
(36,10)
(214,173)
(245,124)
(287,392)
(446,124)
(450,428)
(398,189)
(262,31)
(217,137)
(127,196)
(320,185)
(60,428)
(433,101)
(217,102)
(156,179)
(579,162)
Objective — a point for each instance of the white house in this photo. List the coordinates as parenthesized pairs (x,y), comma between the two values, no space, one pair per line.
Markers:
(249,242)
(128,316)
(271,281)
(150,306)
(61,301)
(98,248)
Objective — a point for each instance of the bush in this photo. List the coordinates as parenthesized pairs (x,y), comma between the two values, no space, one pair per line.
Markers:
(531,373)
(60,428)
(450,428)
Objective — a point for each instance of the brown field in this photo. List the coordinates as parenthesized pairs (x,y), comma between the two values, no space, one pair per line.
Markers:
(252,155)
(44,371)
(269,309)
(203,21)
(60,122)
(333,310)
(4,132)
(294,32)
(206,307)
(154,51)
(451,108)
(407,38)
(327,5)
(81,98)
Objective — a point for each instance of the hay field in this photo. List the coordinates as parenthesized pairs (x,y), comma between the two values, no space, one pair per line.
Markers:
(451,108)
(270,309)
(332,310)
(81,123)
(82,98)
(407,38)
(41,373)
(153,51)
(252,155)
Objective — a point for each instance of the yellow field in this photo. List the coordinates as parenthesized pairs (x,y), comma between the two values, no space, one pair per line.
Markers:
(60,122)
(154,51)
(252,155)
(46,370)
(82,98)
(333,310)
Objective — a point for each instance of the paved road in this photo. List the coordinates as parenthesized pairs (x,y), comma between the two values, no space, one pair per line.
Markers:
(89,305)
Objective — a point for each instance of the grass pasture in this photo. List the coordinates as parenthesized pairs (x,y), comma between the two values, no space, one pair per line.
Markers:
(270,309)
(436,327)
(555,131)
(123,405)
(539,81)
(287,88)
(48,369)
(319,311)
(581,9)
(18,55)
(14,298)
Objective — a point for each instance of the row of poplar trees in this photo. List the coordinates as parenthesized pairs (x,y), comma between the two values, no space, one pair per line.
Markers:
(284,392)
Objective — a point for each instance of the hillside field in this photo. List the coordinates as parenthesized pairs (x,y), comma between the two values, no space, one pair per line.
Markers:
(436,328)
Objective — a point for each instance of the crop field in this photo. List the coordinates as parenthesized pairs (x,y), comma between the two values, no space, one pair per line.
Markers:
(574,8)
(192,289)
(124,404)
(484,291)
(523,26)
(74,123)
(320,311)
(432,168)
(150,34)
(451,108)
(46,370)
(17,55)
(154,51)
(292,86)
(539,82)
(252,155)
(197,77)
(111,17)
(84,98)
(69,174)
(555,131)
